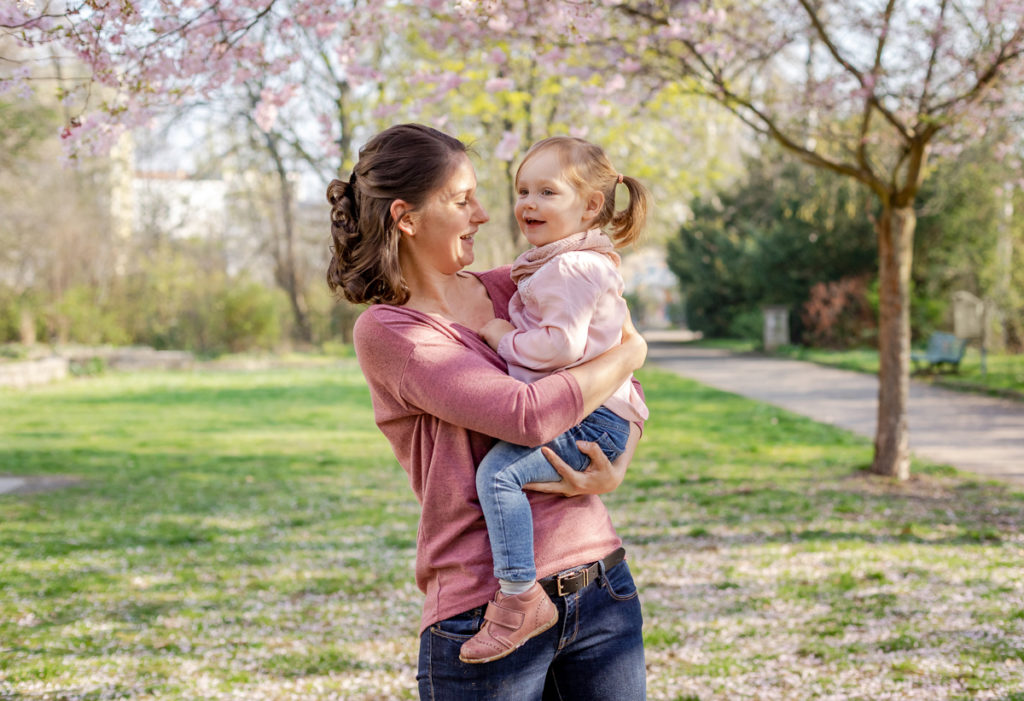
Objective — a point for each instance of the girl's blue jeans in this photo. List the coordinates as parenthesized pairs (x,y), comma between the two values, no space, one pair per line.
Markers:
(507,467)
(595,651)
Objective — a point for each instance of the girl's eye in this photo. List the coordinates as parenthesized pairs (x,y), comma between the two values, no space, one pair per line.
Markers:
(547,191)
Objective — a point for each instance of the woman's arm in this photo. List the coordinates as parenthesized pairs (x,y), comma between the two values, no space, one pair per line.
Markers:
(417,365)
(601,476)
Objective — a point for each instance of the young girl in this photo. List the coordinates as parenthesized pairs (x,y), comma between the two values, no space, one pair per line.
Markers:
(568,308)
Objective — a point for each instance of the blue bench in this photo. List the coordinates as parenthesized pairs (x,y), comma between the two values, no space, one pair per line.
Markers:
(943,349)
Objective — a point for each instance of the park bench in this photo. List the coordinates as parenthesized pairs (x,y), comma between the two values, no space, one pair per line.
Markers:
(943,349)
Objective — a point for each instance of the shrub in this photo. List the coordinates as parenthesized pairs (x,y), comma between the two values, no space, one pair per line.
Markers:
(251,316)
(838,314)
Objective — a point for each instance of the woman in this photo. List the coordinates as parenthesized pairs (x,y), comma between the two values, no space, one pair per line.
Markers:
(403,228)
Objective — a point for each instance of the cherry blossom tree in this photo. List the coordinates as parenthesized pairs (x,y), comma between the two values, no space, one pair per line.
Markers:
(869,90)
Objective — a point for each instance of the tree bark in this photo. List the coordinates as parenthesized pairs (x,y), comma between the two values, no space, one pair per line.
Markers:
(895,229)
(286,266)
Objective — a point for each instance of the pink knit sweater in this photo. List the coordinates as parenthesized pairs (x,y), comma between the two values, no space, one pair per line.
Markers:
(440,396)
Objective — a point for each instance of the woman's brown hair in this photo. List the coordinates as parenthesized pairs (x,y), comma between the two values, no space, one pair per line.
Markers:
(588,168)
(404,162)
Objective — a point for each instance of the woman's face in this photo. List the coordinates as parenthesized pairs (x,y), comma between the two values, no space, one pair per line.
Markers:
(442,230)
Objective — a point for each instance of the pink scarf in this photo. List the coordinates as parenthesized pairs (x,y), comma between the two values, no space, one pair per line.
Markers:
(594,240)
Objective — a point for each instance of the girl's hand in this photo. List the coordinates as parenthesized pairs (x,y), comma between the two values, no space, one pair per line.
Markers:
(601,476)
(494,329)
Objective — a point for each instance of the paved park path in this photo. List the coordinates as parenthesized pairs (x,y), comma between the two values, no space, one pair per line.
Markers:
(975,433)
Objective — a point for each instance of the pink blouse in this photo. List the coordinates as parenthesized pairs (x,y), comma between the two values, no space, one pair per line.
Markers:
(568,309)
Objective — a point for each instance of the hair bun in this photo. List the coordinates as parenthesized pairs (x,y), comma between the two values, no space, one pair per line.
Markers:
(344,208)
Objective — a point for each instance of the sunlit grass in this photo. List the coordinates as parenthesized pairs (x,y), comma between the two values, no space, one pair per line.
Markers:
(249,535)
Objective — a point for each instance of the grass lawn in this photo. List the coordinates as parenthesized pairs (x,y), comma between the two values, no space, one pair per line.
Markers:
(248,535)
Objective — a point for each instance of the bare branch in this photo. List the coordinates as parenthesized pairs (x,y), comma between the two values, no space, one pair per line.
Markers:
(862,143)
(987,77)
(819,28)
(933,58)
(766,125)
(875,103)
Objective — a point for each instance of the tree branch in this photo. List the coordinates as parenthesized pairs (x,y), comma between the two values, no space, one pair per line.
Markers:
(873,100)
(933,58)
(764,124)
(987,77)
(862,145)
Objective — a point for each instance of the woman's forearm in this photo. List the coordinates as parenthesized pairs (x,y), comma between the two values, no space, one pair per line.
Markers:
(599,378)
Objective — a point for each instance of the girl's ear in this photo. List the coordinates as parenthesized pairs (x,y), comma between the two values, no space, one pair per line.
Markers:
(401,214)
(595,203)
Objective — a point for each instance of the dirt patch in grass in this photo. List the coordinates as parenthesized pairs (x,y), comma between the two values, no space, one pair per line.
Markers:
(33,484)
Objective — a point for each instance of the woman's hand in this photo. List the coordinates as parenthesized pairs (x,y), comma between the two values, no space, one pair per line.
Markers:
(601,476)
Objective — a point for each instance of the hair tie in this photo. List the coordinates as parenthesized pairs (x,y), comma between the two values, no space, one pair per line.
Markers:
(620,177)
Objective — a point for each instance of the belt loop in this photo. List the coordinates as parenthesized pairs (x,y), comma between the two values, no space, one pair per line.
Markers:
(600,573)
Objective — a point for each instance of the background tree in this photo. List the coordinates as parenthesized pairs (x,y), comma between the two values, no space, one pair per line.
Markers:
(864,90)
(768,238)
(968,239)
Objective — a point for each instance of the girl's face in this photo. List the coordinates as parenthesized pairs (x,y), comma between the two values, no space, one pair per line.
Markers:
(440,233)
(548,207)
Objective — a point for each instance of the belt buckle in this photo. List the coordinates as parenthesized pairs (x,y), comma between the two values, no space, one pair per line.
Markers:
(565,576)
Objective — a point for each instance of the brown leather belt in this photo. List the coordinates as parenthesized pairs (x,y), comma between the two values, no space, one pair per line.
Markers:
(572,580)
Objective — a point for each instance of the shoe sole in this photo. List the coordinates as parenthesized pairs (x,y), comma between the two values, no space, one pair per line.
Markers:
(508,652)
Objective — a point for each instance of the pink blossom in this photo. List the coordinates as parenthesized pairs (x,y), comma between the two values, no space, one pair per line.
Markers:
(615,83)
(507,147)
(265,115)
(630,65)
(498,85)
(500,24)
(386,110)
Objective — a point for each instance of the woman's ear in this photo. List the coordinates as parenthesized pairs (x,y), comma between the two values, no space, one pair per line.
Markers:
(401,214)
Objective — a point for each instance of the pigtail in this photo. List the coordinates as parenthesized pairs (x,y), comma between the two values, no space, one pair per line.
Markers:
(627,225)
(587,167)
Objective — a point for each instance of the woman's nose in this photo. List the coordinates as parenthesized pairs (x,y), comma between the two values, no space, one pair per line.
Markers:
(481,214)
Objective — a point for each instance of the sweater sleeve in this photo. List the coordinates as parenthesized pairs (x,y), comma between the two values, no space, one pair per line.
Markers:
(430,368)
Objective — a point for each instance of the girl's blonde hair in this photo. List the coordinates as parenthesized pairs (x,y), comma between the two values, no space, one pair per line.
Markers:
(588,169)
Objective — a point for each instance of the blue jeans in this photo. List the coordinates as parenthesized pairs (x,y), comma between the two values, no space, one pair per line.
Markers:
(595,651)
(507,467)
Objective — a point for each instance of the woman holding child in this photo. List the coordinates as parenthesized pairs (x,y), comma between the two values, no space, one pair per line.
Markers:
(403,227)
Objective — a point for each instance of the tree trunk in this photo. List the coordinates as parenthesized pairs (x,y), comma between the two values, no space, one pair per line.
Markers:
(513,223)
(895,229)
(286,272)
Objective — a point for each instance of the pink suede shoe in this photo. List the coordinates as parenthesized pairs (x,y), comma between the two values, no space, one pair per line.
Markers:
(508,623)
